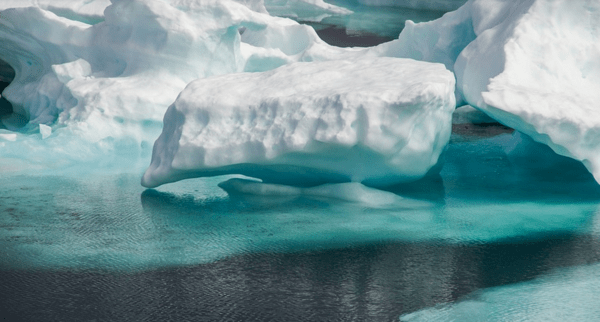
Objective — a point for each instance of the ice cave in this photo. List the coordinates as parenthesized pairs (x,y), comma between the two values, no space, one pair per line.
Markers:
(299,160)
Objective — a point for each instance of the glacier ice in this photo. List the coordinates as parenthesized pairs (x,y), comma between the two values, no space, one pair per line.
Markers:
(91,69)
(545,81)
(107,85)
(377,121)
(305,10)
(532,65)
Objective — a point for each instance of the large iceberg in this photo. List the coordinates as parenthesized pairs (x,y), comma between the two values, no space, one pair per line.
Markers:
(532,65)
(106,71)
(544,79)
(377,121)
(106,85)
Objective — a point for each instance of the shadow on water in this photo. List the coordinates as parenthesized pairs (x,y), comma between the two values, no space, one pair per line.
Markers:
(368,283)
(513,168)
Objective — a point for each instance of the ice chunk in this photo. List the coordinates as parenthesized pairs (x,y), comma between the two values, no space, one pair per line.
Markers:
(306,10)
(441,40)
(113,81)
(45,131)
(544,77)
(532,65)
(376,121)
(8,136)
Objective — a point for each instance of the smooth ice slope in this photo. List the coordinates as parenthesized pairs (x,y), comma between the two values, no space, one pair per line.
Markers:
(376,121)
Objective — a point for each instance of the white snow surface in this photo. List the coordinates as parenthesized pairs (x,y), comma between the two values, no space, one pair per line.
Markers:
(377,121)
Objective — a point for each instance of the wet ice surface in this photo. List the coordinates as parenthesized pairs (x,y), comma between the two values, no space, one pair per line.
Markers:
(98,246)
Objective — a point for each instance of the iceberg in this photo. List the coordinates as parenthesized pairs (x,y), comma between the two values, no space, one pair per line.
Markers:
(92,68)
(104,85)
(304,10)
(545,79)
(531,65)
(377,121)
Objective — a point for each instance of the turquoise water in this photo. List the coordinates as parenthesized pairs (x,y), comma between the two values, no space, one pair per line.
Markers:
(514,218)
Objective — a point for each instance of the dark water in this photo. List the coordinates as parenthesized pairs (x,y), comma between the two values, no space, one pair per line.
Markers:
(369,283)
(368,25)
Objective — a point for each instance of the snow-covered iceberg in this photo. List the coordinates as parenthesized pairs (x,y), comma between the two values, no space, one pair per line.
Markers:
(105,86)
(532,65)
(377,121)
(544,79)
(106,71)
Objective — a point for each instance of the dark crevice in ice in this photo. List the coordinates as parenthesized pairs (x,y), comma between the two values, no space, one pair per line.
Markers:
(338,36)
(7,75)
